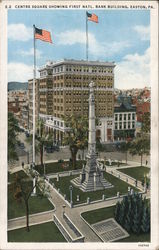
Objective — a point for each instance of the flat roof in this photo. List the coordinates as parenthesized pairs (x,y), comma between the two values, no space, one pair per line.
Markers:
(52,64)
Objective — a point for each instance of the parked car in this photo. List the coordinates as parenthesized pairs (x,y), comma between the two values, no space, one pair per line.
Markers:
(21,145)
(56,148)
(27,134)
(49,149)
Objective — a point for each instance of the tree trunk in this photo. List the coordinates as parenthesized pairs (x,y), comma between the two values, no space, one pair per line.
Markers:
(27,215)
(83,154)
(41,155)
(73,154)
(141,159)
(126,157)
(74,160)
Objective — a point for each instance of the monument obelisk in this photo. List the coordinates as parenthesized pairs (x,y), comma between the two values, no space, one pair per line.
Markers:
(91,178)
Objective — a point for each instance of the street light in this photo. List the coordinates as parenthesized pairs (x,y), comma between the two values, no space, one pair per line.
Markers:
(71,188)
(28,157)
(44,169)
(34,181)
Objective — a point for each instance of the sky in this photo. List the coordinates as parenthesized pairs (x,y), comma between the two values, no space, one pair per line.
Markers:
(121,36)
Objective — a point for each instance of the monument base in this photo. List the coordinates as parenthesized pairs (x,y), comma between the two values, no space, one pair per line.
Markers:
(89,180)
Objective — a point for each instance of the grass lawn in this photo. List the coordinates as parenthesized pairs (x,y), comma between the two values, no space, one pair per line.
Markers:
(108,212)
(99,214)
(21,174)
(119,186)
(136,172)
(47,232)
(56,167)
(37,204)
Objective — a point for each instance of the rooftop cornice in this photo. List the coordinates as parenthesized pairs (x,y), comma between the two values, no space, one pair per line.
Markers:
(77,62)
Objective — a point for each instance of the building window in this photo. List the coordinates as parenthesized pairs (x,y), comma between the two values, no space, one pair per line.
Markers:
(133,124)
(125,117)
(124,125)
(116,125)
(128,125)
(120,117)
(129,116)
(120,125)
(133,116)
(116,117)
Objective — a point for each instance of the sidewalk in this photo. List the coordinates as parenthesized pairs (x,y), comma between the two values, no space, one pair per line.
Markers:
(74,214)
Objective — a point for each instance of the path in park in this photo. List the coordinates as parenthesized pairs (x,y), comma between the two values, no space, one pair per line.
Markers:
(73,213)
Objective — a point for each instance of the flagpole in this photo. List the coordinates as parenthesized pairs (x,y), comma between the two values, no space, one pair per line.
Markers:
(34,79)
(86,37)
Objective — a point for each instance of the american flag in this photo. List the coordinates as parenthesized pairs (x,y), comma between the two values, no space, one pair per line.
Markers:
(92,17)
(43,35)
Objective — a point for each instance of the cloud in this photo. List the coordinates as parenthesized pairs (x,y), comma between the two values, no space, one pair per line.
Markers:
(143,32)
(19,32)
(95,48)
(133,71)
(30,52)
(19,72)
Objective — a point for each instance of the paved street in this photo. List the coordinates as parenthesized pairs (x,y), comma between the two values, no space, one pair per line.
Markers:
(64,153)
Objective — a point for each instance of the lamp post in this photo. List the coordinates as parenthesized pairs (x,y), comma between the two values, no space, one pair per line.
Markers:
(34,181)
(71,189)
(44,169)
(28,157)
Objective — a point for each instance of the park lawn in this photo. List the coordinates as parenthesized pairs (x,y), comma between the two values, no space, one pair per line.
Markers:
(99,214)
(56,167)
(136,172)
(37,204)
(20,173)
(46,232)
(64,183)
(108,212)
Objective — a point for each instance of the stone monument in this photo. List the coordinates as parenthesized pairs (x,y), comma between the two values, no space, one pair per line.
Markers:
(91,178)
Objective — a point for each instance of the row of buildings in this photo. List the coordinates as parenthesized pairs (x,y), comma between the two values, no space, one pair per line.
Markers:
(18,103)
(63,90)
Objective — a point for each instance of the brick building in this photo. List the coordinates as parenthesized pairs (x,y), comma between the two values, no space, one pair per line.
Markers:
(63,89)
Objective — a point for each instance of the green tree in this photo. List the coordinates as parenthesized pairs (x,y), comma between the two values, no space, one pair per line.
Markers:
(146,123)
(123,209)
(124,148)
(22,191)
(128,219)
(134,213)
(13,130)
(77,135)
(136,221)
(145,223)
(117,211)
(140,146)
(43,139)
